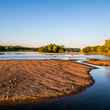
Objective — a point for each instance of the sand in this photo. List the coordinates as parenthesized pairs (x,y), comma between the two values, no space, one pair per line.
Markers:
(34,80)
(100,62)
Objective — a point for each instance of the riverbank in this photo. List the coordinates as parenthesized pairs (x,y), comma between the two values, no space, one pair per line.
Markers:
(99,62)
(35,80)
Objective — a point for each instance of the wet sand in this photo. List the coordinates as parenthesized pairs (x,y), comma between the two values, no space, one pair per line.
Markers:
(34,80)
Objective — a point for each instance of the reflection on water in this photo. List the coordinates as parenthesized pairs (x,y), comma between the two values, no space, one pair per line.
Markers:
(108,73)
(2,53)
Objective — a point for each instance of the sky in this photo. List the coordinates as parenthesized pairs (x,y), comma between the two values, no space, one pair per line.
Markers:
(73,23)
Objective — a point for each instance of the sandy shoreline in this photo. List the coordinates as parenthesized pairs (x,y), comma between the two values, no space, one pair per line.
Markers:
(100,62)
(31,81)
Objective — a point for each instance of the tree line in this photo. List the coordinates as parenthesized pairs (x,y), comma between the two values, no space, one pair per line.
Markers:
(104,49)
(15,48)
(54,48)
(50,48)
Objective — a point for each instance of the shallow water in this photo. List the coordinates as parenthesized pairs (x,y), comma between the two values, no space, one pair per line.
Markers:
(43,56)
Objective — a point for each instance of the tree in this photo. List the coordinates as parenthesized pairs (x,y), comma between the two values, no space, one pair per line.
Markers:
(87,50)
(55,48)
(52,48)
(104,49)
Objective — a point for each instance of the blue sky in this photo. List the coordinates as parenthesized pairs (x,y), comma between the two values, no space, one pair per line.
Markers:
(73,23)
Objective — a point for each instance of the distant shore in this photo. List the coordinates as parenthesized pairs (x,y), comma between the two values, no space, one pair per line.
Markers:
(32,81)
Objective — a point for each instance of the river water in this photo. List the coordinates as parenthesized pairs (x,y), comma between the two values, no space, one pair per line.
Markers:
(96,97)
(42,56)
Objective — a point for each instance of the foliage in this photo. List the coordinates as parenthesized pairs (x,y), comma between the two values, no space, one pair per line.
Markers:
(104,49)
(73,49)
(52,48)
(15,48)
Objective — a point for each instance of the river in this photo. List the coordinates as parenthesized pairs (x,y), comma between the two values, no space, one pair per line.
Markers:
(43,56)
(93,98)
